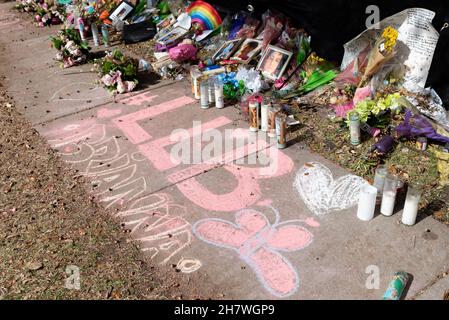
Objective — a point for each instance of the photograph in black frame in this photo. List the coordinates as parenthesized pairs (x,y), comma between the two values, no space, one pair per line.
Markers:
(123,10)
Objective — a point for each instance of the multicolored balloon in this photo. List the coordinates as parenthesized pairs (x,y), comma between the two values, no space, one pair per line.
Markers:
(205,15)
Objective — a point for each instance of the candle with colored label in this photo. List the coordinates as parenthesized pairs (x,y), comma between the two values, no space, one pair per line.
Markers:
(354,127)
(272,112)
(281,130)
(95,35)
(81,28)
(105,35)
(253,115)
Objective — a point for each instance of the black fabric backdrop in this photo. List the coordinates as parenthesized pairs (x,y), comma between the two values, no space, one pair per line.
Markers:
(333,23)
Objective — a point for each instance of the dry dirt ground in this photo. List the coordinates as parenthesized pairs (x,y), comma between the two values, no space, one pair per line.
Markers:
(48,222)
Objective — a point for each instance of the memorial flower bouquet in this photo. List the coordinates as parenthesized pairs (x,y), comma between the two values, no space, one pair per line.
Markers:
(368,108)
(117,72)
(71,49)
(48,12)
(383,51)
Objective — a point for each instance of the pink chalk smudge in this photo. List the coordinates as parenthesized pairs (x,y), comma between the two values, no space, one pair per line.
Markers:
(105,113)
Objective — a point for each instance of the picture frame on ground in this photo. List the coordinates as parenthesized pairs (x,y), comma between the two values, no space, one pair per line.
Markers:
(121,12)
(274,62)
(166,22)
(227,49)
(172,36)
(248,50)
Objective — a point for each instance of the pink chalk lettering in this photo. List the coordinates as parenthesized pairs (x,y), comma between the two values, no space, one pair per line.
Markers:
(160,158)
(247,191)
(105,113)
(133,131)
(138,99)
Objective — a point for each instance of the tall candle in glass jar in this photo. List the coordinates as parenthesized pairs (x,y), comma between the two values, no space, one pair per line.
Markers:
(411,206)
(354,127)
(253,115)
(95,35)
(389,195)
(281,130)
(367,203)
(204,94)
(211,90)
(219,100)
(379,178)
(266,103)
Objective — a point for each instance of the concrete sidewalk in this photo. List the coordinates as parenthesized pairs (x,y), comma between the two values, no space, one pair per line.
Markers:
(288,232)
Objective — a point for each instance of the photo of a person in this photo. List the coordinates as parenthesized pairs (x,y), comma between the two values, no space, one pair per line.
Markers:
(226,50)
(172,36)
(121,12)
(274,62)
(248,50)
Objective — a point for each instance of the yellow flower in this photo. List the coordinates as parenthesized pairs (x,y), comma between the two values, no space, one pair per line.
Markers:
(390,35)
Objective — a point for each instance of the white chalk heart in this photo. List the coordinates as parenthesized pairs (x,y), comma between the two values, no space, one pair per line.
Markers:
(322,194)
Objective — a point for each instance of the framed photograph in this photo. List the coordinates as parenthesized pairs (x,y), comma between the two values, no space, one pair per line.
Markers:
(248,50)
(121,12)
(167,22)
(172,36)
(227,49)
(274,62)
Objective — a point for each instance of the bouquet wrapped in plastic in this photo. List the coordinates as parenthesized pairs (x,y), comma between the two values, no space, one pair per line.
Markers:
(383,51)
(272,27)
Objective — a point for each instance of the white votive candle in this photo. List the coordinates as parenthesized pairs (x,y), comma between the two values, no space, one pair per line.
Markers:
(389,195)
(367,203)
(411,206)
(388,200)
(266,103)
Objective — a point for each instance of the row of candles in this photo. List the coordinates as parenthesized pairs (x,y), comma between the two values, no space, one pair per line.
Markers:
(387,185)
(263,114)
(95,34)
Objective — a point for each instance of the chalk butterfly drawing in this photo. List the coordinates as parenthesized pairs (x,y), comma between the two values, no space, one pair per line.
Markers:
(260,245)
(322,194)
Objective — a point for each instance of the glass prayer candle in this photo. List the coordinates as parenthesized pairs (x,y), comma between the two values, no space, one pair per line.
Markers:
(411,206)
(379,178)
(367,203)
(105,35)
(266,103)
(95,35)
(218,85)
(253,115)
(354,127)
(195,75)
(281,130)
(211,90)
(204,94)
(389,195)
(81,28)
(272,112)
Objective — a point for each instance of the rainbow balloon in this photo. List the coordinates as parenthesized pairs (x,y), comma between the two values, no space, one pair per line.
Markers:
(204,14)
